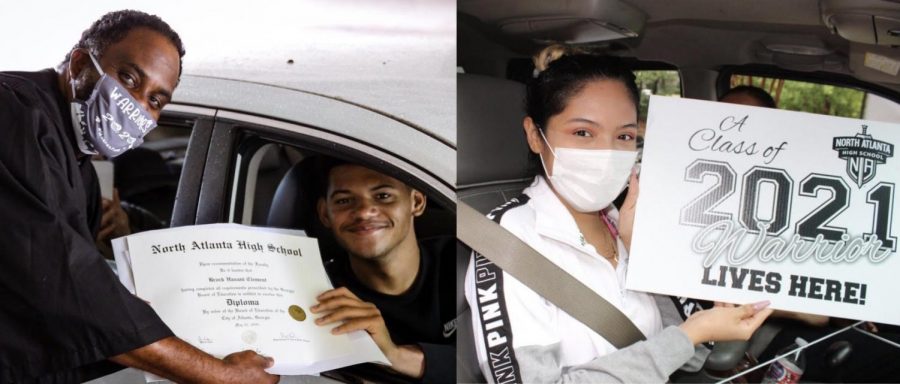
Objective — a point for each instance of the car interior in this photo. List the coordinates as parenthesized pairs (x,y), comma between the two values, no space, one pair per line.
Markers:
(275,183)
(286,185)
(148,175)
(293,206)
(709,46)
(281,185)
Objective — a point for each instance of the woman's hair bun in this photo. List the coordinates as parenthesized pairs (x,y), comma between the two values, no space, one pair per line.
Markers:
(552,53)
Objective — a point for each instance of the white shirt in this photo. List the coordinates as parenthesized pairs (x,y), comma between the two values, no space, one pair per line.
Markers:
(544,223)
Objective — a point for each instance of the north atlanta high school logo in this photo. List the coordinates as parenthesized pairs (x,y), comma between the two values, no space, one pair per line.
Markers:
(862,153)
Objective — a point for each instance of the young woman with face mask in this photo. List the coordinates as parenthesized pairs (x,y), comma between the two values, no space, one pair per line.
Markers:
(581,127)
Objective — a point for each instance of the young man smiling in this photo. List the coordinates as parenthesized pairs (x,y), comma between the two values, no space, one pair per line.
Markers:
(399,290)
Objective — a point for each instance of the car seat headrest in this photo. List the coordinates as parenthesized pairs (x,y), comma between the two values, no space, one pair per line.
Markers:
(293,205)
(491,144)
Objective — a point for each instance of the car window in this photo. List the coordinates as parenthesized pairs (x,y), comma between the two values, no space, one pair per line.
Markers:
(826,99)
(147,177)
(170,140)
(275,183)
(656,82)
(653,82)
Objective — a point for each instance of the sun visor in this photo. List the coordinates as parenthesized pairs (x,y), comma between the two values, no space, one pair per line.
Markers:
(864,21)
(799,53)
(875,63)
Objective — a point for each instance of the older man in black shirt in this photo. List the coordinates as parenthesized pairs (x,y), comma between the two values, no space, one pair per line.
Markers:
(63,314)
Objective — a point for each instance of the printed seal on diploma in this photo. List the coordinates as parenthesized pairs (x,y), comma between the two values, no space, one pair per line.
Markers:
(741,204)
(226,288)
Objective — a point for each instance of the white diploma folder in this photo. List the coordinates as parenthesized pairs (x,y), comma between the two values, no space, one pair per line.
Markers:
(226,288)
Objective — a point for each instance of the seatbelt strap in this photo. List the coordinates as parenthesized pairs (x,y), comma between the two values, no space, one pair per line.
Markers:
(521,261)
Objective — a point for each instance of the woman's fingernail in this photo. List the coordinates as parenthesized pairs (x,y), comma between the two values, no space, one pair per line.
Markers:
(761,305)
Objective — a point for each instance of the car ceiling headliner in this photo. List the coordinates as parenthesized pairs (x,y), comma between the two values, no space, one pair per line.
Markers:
(695,34)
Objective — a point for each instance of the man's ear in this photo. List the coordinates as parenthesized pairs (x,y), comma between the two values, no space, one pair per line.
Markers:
(322,208)
(81,69)
(74,68)
(418,203)
(77,60)
(535,143)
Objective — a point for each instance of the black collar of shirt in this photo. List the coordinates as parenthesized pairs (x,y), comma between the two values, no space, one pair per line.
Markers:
(47,80)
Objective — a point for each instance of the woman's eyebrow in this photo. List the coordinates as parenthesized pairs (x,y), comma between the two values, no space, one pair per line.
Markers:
(582,120)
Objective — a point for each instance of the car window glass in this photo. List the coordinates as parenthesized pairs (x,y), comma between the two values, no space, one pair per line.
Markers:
(262,166)
(656,82)
(147,177)
(170,140)
(653,82)
(275,183)
(826,99)
(146,180)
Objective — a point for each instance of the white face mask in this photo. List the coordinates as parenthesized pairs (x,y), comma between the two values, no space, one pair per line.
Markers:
(589,179)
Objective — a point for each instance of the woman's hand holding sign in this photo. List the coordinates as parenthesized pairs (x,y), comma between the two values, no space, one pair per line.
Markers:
(724,323)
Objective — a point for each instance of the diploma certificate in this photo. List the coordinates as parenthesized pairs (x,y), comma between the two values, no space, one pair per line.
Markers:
(226,288)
